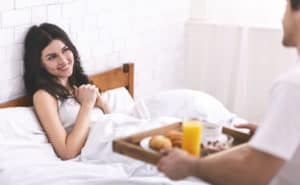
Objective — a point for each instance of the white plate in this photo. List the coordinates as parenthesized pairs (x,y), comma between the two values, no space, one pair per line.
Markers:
(145,143)
(221,138)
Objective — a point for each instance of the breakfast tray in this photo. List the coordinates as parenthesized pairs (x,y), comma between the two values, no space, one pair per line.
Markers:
(130,145)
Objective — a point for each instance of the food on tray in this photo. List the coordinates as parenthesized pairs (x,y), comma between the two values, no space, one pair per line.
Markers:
(159,142)
(175,137)
(214,146)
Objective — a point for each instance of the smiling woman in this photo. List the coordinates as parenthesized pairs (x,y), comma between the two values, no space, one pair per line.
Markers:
(54,76)
(44,46)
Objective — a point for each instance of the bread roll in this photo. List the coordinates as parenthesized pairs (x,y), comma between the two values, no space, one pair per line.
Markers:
(159,142)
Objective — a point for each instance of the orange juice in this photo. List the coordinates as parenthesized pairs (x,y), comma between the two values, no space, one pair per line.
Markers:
(191,138)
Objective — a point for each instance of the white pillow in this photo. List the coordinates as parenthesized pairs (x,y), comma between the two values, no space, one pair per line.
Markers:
(19,124)
(185,103)
(119,100)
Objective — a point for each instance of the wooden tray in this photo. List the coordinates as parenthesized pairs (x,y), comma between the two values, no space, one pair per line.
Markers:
(130,145)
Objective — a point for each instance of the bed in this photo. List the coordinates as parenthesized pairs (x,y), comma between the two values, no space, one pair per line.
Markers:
(27,158)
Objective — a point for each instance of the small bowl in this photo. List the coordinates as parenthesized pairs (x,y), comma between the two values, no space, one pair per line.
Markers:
(212,146)
(211,131)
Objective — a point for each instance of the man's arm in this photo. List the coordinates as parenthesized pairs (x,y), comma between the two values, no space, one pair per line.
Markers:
(241,165)
(250,126)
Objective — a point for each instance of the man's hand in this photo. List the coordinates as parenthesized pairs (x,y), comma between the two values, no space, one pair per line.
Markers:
(251,126)
(177,164)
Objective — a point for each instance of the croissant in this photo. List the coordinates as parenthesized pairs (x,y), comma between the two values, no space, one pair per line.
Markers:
(159,142)
(175,137)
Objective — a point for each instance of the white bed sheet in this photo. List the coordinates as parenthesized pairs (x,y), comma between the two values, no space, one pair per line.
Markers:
(35,163)
(26,157)
(70,172)
(64,173)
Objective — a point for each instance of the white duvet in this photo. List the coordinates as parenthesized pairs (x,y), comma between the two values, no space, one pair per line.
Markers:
(36,163)
(26,157)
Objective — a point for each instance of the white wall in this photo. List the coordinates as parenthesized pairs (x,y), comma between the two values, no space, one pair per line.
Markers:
(234,52)
(258,13)
(237,65)
(106,33)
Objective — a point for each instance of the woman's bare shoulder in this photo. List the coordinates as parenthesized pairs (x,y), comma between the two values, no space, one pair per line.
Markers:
(42,96)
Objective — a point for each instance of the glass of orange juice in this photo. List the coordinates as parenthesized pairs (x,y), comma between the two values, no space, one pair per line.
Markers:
(191,138)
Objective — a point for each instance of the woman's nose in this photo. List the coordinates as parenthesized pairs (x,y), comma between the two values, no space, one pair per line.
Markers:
(62,60)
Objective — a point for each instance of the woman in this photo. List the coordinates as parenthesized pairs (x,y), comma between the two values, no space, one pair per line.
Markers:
(54,77)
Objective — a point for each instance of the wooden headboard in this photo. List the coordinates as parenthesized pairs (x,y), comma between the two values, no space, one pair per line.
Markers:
(118,77)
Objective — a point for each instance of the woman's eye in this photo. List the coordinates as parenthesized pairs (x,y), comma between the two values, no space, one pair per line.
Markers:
(65,49)
(51,57)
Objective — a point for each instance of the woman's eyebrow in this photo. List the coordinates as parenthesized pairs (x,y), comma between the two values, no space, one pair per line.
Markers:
(50,54)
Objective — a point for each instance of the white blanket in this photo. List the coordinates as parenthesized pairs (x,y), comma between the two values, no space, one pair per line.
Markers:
(26,157)
(98,147)
(31,163)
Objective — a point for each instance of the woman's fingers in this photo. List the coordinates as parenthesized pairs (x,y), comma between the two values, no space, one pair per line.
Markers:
(86,94)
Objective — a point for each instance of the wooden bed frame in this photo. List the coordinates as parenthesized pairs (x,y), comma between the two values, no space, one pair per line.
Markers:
(118,77)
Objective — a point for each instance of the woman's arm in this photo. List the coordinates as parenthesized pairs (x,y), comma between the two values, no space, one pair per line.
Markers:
(103,105)
(66,146)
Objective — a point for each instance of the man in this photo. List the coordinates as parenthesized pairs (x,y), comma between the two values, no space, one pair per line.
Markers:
(273,154)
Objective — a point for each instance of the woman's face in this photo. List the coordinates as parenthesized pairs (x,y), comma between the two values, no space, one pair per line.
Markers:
(58,60)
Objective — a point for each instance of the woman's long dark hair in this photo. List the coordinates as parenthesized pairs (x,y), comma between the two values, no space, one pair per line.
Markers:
(36,77)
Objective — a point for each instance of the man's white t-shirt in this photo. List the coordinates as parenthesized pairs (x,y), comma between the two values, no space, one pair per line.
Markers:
(279,133)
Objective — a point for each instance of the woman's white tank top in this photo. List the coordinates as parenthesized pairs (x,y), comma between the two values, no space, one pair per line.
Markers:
(68,111)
